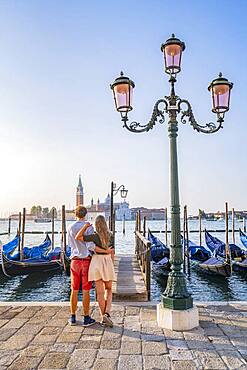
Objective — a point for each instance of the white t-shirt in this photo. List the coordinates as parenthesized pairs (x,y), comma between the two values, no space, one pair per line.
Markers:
(78,248)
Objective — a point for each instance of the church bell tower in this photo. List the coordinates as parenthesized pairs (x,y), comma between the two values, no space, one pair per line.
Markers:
(79,193)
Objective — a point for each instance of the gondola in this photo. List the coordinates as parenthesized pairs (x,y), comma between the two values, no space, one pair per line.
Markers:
(158,249)
(217,266)
(197,253)
(240,264)
(36,252)
(220,264)
(219,247)
(29,266)
(160,255)
(11,245)
(243,238)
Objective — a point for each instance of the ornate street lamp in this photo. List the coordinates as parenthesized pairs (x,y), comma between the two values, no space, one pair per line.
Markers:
(176,310)
(114,191)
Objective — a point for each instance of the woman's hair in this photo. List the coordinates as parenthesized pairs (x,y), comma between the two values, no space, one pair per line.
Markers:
(103,231)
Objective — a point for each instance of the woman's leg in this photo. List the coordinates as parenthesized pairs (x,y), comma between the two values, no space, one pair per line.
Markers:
(108,302)
(100,289)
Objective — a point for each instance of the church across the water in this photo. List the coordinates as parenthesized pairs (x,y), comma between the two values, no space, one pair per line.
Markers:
(122,209)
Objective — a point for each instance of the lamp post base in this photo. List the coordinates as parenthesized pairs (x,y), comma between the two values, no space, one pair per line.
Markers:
(178,320)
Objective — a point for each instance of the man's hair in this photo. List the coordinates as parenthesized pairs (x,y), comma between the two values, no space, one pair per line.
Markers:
(80,211)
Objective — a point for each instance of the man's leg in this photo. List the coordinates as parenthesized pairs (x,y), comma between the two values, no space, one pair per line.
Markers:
(75,286)
(86,286)
(73,301)
(86,302)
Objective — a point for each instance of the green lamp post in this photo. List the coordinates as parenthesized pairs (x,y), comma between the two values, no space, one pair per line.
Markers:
(176,296)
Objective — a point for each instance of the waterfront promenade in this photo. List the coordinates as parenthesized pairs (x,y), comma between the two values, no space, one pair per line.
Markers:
(37,336)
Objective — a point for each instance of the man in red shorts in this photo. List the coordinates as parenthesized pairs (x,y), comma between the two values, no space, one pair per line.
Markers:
(80,261)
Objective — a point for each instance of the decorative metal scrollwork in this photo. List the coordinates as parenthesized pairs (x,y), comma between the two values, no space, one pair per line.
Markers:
(188,116)
(157,112)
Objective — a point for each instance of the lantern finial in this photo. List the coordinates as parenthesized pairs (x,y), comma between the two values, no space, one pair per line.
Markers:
(220,74)
(173,35)
(121,73)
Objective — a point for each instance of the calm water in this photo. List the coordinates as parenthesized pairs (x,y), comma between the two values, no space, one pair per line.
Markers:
(56,287)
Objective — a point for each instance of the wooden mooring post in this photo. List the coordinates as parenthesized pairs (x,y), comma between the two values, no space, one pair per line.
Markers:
(142,249)
(233,226)
(9,227)
(23,233)
(52,226)
(19,233)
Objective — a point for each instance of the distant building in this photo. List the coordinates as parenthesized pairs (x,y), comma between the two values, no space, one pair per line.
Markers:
(123,211)
(79,193)
(149,213)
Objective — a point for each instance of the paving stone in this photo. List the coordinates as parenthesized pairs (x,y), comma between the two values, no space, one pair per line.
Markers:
(82,359)
(111,333)
(148,314)
(45,339)
(209,359)
(176,344)
(240,343)
(154,348)
(7,357)
(30,329)
(132,311)
(131,348)
(233,359)
(57,322)
(157,362)
(213,330)
(6,333)
(184,365)
(108,353)
(199,343)
(170,334)
(3,322)
(73,329)
(8,315)
(50,330)
(89,341)
(93,330)
(110,343)
(17,342)
(35,351)
(130,336)
(28,312)
(243,353)
(180,355)
(133,362)
(105,363)
(25,363)
(221,343)
(15,323)
(152,338)
(62,347)
(55,360)
(4,309)
(68,338)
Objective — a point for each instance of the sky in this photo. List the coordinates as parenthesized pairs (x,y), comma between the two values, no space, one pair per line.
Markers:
(57,116)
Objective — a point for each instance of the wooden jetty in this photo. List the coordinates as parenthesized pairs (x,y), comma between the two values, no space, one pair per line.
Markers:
(130,284)
(133,273)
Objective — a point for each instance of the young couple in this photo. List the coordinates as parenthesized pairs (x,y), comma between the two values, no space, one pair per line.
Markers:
(92,256)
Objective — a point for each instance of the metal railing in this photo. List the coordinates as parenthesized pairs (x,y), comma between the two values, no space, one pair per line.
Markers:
(142,251)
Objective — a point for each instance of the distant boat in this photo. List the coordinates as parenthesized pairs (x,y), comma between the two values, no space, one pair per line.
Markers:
(42,220)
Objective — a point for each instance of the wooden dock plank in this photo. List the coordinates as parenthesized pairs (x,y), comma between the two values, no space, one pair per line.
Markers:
(130,285)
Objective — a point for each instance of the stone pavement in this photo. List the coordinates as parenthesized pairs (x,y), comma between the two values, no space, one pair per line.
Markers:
(38,337)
